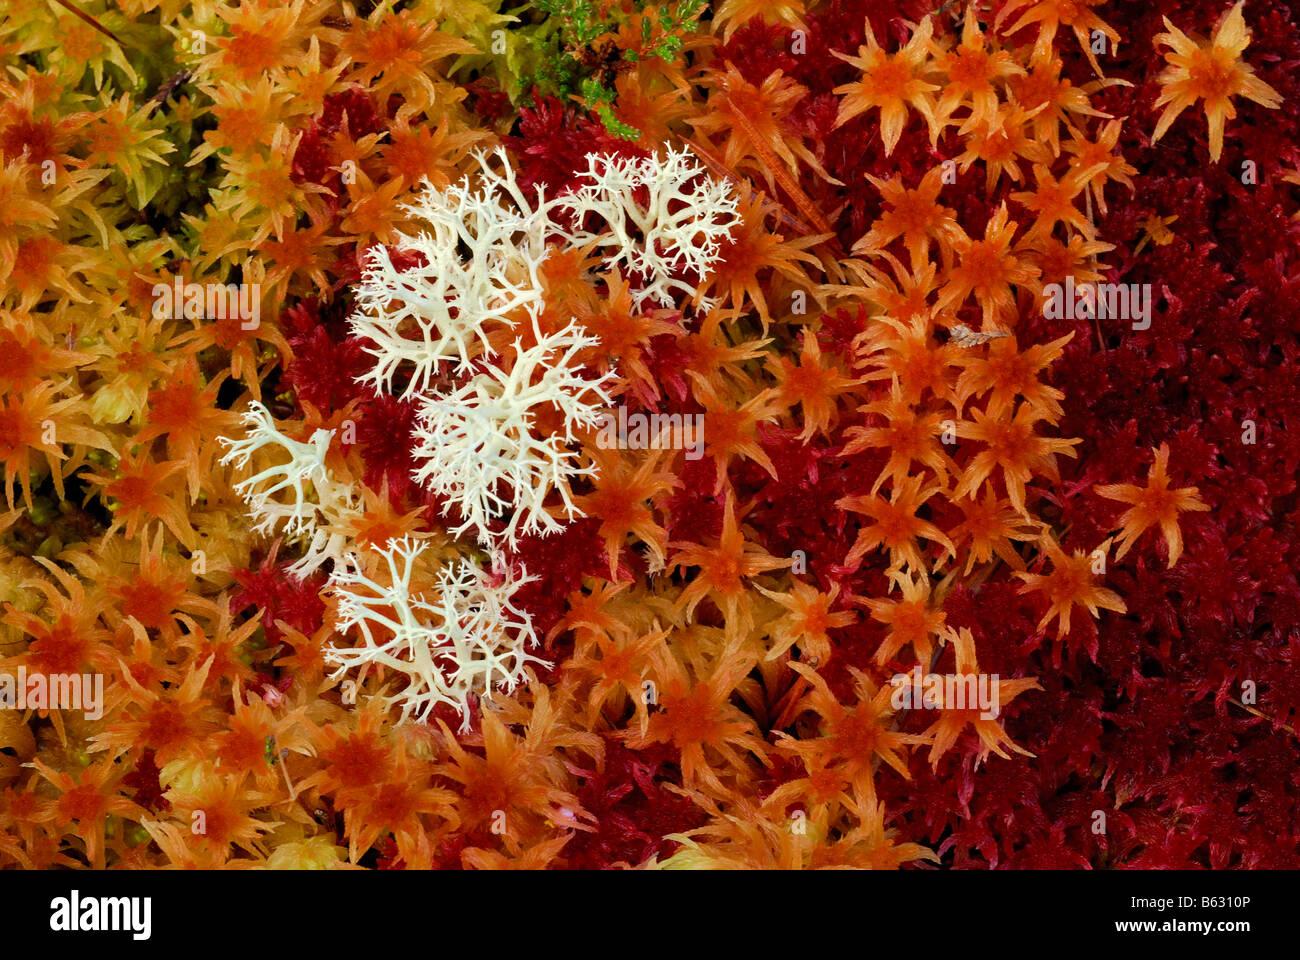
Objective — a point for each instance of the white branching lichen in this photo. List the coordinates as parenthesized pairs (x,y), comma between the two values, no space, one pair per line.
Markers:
(676,226)
(467,641)
(496,436)
(476,261)
(479,445)
(299,498)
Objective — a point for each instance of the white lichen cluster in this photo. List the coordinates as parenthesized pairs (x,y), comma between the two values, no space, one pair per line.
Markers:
(478,445)
(298,498)
(465,641)
(658,218)
(476,257)
(468,641)
(497,436)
